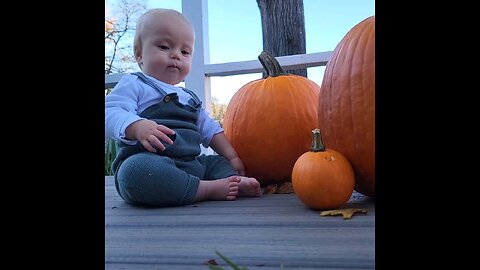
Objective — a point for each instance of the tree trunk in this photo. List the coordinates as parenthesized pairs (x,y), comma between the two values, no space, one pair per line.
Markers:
(283,28)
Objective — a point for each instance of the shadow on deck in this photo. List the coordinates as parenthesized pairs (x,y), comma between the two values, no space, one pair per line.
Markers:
(258,233)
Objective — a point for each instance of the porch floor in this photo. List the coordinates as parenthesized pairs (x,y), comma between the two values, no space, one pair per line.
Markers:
(263,233)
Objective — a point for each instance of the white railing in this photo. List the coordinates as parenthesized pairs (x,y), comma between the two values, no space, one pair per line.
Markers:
(298,61)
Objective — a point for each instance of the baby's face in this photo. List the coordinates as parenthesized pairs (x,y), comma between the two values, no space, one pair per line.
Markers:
(167,48)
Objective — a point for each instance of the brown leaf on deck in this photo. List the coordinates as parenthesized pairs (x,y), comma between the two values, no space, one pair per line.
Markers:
(347,213)
(283,188)
(270,189)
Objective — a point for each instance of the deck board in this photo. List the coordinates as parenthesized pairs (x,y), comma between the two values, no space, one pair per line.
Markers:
(257,233)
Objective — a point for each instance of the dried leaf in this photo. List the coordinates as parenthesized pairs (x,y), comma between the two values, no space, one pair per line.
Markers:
(270,189)
(283,188)
(347,213)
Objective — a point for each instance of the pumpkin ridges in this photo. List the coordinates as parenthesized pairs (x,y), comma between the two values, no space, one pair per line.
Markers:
(367,129)
(354,95)
(347,104)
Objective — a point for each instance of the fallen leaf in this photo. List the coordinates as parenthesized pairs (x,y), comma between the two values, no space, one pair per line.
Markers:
(283,188)
(270,189)
(347,213)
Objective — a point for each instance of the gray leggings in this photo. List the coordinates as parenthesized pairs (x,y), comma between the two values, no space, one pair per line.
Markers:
(148,178)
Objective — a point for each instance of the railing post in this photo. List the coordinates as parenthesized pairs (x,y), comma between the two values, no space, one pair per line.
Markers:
(197,12)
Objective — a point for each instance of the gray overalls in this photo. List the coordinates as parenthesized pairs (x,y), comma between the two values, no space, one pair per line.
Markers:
(169,177)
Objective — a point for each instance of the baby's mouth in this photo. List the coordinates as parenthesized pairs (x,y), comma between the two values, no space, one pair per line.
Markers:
(173,66)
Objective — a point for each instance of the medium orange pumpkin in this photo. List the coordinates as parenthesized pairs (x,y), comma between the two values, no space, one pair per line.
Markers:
(322,178)
(347,103)
(267,119)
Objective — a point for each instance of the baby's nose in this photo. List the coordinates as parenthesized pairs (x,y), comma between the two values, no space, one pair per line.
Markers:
(175,54)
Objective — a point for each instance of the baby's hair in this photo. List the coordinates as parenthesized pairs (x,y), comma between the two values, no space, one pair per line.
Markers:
(139,30)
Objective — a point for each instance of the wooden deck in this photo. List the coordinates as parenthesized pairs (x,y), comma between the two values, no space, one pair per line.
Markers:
(257,233)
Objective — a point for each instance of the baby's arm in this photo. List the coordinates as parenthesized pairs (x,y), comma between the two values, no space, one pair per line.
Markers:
(149,134)
(222,146)
(121,116)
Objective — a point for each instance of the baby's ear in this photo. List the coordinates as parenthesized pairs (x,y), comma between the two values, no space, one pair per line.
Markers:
(138,54)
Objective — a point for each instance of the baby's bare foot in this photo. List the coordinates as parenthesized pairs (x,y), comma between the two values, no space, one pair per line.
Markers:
(225,189)
(249,187)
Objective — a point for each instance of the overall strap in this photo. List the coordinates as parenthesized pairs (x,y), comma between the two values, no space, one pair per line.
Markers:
(149,82)
(194,96)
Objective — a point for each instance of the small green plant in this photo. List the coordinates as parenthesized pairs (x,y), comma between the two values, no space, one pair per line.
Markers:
(110,153)
(229,262)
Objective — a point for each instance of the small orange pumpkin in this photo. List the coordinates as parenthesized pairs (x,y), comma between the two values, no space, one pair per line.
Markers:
(267,119)
(347,103)
(322,178)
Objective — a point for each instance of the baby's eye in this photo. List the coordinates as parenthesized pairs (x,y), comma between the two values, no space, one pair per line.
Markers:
(185,52)
(163,47)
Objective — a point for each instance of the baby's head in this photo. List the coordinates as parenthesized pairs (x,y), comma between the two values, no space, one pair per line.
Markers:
(163,45)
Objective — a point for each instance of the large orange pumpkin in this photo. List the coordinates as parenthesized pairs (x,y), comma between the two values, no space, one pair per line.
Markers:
(322,178)
(347,103)
(267,120)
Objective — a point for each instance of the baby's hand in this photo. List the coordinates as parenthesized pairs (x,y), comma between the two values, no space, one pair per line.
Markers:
(149,134)
(237,164)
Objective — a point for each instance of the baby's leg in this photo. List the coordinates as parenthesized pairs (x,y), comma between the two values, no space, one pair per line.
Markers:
(249,187)
(155,180)
(219,189)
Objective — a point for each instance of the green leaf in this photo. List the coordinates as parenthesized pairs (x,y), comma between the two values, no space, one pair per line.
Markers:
(215,267)
(229,262)
(110,154)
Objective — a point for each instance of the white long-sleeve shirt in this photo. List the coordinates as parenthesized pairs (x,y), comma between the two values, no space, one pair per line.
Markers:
(131,96)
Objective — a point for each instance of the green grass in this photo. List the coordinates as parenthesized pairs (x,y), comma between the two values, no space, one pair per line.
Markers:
(110,153)
(230,263)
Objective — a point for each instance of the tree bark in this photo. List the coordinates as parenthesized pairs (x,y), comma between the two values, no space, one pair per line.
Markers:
(283,28)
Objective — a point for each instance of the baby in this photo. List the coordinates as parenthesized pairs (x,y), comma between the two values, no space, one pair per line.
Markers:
(159,127)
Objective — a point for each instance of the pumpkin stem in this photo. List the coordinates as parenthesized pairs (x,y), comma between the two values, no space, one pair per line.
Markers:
(317,144)
(271,65)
